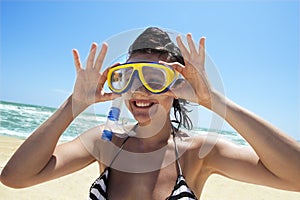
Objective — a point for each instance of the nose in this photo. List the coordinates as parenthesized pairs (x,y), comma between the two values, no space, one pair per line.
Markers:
(137,86)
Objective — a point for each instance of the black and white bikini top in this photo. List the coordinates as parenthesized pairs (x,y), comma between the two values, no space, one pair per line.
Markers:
(181,191)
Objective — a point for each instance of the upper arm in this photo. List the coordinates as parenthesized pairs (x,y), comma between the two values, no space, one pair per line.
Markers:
(73,155)
(64,159)
(242,163)
(67,158)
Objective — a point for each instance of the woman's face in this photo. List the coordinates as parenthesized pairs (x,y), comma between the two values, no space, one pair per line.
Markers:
(145,106)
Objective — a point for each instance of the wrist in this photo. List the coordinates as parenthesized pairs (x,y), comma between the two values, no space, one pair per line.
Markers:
(73,106)
(218,103)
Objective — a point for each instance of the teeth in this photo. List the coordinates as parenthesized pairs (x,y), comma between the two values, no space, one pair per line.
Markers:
(142,104)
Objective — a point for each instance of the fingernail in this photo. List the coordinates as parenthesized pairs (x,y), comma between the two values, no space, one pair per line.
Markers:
(94,44)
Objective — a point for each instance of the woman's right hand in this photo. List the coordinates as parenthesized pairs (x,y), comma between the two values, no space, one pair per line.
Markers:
(89,83)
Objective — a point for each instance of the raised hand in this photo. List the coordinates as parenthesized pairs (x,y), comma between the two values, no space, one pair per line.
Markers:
(89,83)
(195,87)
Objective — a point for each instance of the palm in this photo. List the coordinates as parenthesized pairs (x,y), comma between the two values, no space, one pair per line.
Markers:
(85,89)
(88,88)
(195,87)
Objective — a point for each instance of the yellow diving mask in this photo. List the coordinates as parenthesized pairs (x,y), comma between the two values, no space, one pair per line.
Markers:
(155,77)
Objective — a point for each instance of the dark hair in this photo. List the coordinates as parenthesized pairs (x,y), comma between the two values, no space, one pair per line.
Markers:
(157,41)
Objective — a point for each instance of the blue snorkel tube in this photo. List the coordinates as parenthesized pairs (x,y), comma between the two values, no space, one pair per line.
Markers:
(112,119)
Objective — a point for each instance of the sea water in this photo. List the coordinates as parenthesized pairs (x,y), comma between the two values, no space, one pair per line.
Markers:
(20,120)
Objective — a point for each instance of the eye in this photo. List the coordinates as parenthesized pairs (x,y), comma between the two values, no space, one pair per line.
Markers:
(154,74)
(120,78)
(155,81)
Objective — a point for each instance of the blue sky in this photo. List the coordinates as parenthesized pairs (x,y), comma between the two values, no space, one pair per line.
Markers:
(254,45)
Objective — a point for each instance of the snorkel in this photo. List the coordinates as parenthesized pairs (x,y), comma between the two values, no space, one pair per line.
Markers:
(112,119)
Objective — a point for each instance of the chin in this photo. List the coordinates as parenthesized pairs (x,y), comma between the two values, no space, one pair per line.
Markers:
(142,121)
(144,112)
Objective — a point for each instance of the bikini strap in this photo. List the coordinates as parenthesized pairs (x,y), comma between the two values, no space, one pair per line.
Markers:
(119,151)
(122,145)
(176,151)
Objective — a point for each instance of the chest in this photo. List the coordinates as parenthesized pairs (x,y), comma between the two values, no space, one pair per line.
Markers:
(152,185)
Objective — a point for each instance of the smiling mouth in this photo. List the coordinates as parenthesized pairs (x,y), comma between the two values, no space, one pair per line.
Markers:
(142,103)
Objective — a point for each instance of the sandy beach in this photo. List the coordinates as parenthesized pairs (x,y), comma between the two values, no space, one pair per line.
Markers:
(76,186)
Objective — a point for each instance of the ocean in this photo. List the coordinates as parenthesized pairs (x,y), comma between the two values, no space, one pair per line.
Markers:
(20,120)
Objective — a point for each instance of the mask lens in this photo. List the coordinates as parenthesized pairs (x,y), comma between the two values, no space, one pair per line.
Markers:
(120,78)
(155,78)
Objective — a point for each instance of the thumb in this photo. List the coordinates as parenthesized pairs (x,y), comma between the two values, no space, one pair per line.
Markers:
(176,65)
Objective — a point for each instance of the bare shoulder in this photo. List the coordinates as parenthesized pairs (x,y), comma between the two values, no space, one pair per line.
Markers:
(194,149)
(212,148)
(91,140)
(201,143)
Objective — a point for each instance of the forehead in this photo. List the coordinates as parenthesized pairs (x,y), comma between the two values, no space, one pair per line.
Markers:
(141,57)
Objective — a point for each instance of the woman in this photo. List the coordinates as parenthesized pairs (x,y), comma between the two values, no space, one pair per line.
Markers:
(170,166)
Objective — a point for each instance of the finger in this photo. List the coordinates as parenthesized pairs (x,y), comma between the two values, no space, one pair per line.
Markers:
(91,58)
(77,61)
(114,65)
(101,56)
(191,43)
(103,78)
(104,74)
(106,96)
(110,96)
(176,65)
(185,52)
(101,94)
(202,49)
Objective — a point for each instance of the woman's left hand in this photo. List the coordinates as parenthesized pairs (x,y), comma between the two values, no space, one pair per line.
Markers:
(195,87)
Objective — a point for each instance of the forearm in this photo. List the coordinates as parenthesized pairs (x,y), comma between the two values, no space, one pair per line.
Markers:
(279,153)
(37,150)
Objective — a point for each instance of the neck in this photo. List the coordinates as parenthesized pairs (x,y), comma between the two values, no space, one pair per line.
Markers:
(153,135)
